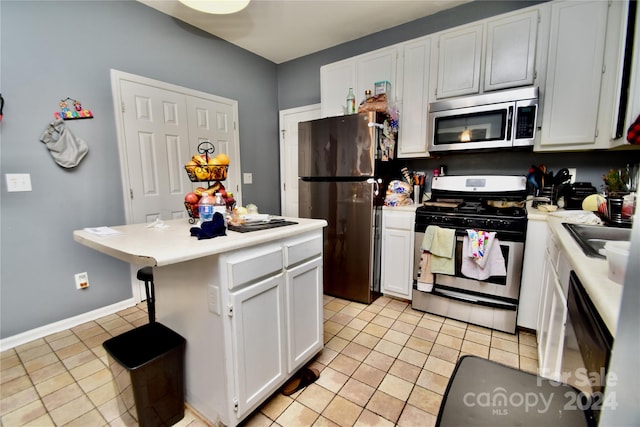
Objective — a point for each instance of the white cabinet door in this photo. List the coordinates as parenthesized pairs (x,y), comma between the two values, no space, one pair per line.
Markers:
(376,66)
(397,253)
(532,274)
(511,51)
(335,81)
(359,73)
(257,328)
(303,297)
(412,140)
(552,362)
(459,56)
(574,72)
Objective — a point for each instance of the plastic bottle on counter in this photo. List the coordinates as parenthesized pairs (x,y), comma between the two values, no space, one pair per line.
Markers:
(220,205)
(351,102)
(205,208)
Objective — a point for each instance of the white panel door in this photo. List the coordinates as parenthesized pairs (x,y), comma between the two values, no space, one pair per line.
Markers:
(213,121)
(459,61)
(289,120)
(157,147)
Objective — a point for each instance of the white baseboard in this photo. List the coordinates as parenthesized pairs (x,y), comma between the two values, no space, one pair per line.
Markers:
(52,328)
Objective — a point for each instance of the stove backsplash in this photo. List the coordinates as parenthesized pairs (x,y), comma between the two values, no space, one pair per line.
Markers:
(590,166)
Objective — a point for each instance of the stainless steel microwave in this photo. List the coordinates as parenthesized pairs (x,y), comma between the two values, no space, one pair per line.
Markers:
(502,119)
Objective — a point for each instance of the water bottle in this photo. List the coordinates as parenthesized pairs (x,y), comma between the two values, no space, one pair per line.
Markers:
(351,102)
(220,206)
(205,208)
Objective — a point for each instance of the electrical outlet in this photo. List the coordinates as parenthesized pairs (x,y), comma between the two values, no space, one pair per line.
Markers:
(214,299)
(573,172)
(82,280)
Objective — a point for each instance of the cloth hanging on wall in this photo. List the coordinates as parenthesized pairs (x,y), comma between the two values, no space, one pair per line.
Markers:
(65,148)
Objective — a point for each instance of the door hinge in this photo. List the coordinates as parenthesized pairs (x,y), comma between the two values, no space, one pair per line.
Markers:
(123,109)
(235,405)
(604,68)
(284,186)
(230,310)
(131,193)
(234,126)
(283,132)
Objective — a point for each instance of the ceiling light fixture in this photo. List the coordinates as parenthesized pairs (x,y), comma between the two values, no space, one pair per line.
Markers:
(219,7)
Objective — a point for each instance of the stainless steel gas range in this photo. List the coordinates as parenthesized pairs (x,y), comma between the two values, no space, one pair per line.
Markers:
(472,205)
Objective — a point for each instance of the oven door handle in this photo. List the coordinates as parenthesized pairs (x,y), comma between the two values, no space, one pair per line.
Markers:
(472,299)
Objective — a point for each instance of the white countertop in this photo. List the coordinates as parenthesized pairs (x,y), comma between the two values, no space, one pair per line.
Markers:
(142,245)
(593,272)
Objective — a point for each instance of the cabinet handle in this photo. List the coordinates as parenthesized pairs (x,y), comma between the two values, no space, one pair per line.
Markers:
(230,310)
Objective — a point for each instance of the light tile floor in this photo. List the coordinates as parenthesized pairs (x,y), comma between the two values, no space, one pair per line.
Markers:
(383,364)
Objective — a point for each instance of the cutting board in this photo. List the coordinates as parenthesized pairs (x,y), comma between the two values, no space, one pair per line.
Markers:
(262,225)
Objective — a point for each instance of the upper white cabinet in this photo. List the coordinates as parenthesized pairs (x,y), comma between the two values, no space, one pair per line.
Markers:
(511,51)
(574,72)
(412,138)
(335,81)
(582,90)
(359,73)
(504,47)
(459,56)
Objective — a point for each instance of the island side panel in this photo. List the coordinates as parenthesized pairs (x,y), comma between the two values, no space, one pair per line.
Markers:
(184,293)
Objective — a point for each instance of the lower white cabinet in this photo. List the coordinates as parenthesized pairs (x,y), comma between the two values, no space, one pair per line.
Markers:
(251,320)
(397,253)
(304,321)
(257,320)
(532,273)
(553,311)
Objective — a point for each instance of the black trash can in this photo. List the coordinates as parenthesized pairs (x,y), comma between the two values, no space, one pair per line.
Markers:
(147,364)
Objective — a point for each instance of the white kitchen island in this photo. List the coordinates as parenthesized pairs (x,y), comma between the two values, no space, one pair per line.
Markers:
(248,304)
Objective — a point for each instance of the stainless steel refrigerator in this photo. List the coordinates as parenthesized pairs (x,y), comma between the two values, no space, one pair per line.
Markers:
(343,180)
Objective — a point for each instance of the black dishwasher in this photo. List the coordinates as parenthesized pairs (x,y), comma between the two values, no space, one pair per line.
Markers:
(587,346)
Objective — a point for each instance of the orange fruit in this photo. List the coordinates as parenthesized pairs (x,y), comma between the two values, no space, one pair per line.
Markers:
(214,161)
(191,165)
(223,159)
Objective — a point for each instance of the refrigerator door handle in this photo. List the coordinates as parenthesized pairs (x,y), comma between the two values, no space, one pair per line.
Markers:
(376,185)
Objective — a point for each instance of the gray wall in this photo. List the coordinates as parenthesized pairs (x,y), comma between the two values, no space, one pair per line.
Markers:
(299,84)
(51,50)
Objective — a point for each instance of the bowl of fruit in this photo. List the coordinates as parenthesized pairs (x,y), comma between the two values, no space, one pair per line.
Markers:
(202,167)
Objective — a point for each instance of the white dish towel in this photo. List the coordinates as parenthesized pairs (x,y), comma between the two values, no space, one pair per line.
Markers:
(491,263)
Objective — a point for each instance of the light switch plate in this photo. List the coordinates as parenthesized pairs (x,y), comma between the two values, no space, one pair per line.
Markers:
(18,182)
(247,178)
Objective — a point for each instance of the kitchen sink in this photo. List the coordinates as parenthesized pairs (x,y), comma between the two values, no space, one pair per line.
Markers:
(592,238)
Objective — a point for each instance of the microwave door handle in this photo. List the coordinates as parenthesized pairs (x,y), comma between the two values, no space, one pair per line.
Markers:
(510,119)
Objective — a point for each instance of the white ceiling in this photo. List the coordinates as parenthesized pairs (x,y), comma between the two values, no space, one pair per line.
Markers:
(282,30)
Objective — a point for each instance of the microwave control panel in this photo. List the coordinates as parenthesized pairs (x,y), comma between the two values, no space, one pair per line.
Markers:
(525,122)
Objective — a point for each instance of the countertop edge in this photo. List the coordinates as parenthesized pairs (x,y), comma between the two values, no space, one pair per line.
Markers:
(144,246)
